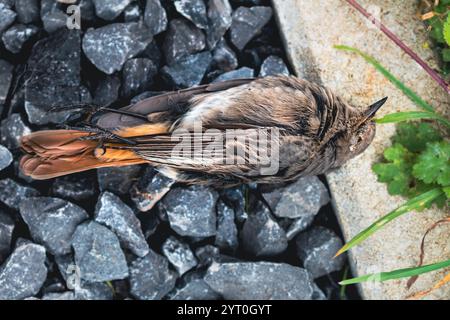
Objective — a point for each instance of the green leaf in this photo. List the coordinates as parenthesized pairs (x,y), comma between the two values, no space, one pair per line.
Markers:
(411,115)
(407,91)
(415,136)
(437,29)
(433,165)
(446,54)
(397,172)
(415,203)
(447,192)
(397,274)
(447,30)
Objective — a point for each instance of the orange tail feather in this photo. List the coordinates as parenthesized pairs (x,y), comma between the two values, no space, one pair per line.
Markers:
(54,153)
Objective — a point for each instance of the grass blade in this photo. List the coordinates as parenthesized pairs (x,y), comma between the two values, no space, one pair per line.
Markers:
(407,91)
(411,115)
(396,274)
(415,203)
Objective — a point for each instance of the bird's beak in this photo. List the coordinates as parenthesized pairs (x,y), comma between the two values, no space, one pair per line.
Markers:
(370,112)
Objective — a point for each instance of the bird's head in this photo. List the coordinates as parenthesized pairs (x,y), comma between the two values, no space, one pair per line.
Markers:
(358,134)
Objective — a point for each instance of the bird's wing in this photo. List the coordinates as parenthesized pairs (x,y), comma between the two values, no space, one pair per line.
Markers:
(174,101)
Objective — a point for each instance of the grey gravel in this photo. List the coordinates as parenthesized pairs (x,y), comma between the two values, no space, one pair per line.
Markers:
(219,21)
(116,215)
(227,233)
(5,157)
(272,66)
(17,36)
(111,9)
(14,193)
(52,222)
(193,10)
(6,230)
(155,17)
(188,71)
(150,188)
(132,13)
(27,10)
(7,17)
(224,58)
(12,129)
(316,248)
(301,199)
(241,73)
(261,234)
(23,273)
(247,23)
(137,76)
(98,253)
(118,180)
(107,91)
(193,287)
(191,210)
(110,46)
(181,40)
(6,74)
(179,255)
(77,187)
(150,277)
(259,281)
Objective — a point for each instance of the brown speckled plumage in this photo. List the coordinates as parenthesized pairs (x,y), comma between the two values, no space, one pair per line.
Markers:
(318,132)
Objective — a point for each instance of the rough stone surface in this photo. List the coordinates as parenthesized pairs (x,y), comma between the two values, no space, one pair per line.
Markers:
(116,215)
(5,157)
(240,73)
(11,129)
(111,9)
(55,79)
(259,281)
(77,187)
(301,199)
(191,210)
(6,75)
(137,76)
(98,253)
(107,91)
(150,189)
(272,66)
(17,36)
(193,288)
(27,10)
(224,58)
(261,234)
(247,23)
(188,71)
(179,255)
(52,16)
(316,248)
(150,277)
(219,15)
(118,180)
(194,10)
(182,39)
(52,222)
(227,233)
(110,46)
(132,13)
(13,193)
(155,17)
(358,198)
(7,17)
(6,230)
(23,273)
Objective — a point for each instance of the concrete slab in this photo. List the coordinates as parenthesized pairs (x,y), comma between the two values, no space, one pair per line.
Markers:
(310,28)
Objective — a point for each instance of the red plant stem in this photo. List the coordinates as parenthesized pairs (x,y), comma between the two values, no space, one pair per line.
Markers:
(401,44)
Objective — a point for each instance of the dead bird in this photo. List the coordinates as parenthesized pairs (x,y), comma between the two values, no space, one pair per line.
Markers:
(307,130)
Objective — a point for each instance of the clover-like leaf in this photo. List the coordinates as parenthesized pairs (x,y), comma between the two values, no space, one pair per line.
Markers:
(433,164)
(415,136)
(397,172)
(447,30)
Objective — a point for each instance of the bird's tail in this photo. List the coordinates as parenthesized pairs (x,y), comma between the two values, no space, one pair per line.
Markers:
(53,153)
